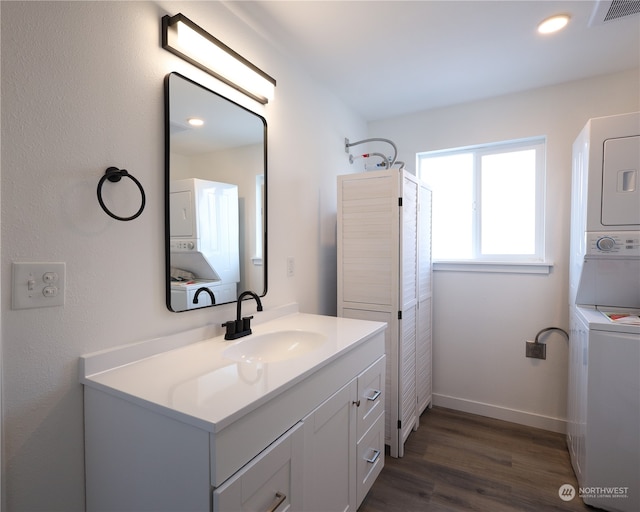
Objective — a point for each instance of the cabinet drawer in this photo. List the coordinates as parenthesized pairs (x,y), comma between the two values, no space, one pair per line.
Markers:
(370,458)
(371,396)
(272,481)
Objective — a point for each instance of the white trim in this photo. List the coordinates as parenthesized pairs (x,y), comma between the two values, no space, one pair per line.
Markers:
(508,145)
(501,413)
(516,267)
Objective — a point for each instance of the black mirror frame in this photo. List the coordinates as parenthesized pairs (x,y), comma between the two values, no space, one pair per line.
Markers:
(167,169)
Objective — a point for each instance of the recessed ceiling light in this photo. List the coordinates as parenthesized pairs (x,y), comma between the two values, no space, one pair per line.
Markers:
(553,24)
(195,121)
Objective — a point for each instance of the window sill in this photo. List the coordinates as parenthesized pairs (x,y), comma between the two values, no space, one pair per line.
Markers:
(511,267)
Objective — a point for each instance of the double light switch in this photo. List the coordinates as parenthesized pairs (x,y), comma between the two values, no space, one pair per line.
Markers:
(37,285)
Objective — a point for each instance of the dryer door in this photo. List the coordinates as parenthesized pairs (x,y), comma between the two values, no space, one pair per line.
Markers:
(621,182)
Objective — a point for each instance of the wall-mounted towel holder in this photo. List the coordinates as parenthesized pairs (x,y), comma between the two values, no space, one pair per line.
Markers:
(113,174)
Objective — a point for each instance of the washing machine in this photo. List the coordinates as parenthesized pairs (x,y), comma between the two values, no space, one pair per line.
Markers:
(604,406)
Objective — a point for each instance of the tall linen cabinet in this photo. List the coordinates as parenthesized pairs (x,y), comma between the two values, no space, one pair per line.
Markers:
(384,274)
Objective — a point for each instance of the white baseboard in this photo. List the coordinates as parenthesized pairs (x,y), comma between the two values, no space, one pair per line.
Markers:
(501,413)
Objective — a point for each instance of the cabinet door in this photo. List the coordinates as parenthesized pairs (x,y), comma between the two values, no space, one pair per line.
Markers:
(407,414)
(424,337)
(330,453)
(407,406)
(423,356)
(368,240)
(272,481)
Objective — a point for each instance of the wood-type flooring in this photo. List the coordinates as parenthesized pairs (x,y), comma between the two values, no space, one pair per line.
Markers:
(463,462)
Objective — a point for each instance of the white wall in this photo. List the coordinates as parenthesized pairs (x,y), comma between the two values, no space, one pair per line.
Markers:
(82,90)
(481,320)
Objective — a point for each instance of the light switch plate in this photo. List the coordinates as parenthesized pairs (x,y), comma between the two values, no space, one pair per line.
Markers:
(37,285)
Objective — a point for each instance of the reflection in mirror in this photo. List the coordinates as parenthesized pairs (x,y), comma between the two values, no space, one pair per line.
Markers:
(216,183)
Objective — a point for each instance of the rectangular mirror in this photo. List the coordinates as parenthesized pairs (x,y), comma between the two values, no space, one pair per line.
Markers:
(215,197)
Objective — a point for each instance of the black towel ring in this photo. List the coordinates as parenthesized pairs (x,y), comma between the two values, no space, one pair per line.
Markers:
(113,174)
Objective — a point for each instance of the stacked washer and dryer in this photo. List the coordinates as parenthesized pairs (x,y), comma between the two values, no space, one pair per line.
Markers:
(604,294)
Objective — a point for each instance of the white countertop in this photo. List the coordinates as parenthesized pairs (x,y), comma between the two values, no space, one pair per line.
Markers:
(197,385)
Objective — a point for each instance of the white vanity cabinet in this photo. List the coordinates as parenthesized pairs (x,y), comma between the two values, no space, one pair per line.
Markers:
(185,430)
(327,462)
(344,444)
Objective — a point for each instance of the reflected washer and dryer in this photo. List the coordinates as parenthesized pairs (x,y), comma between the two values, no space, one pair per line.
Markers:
(604,293)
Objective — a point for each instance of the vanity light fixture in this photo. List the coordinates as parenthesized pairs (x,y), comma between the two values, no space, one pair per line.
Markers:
(184,38)
(553,24)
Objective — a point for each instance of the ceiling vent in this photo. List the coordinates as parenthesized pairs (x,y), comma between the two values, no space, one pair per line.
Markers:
(611,10)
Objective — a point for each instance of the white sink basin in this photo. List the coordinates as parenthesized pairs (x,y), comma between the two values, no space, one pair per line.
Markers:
(274,346)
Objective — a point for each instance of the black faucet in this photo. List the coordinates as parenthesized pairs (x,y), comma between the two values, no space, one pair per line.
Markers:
(204,289)
(241,326)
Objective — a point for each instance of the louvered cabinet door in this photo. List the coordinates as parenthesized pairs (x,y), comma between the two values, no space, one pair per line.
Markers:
(368,241)
(409,296)
(424,387)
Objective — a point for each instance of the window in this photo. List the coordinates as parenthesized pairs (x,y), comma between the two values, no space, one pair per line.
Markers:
(488,202)
(260,219)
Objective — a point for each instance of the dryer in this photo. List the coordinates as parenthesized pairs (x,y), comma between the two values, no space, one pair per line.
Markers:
(605,203)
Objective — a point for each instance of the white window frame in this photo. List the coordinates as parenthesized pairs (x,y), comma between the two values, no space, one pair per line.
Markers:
(511,263)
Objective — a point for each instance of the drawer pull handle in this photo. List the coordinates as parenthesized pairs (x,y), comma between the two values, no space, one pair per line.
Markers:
(277,501)
(374,457)
(375,396)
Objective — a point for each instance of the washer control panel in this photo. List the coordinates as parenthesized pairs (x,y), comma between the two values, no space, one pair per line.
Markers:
(614,243)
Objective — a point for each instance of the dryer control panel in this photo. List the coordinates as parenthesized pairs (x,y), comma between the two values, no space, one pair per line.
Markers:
(183,244)
(614,244)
